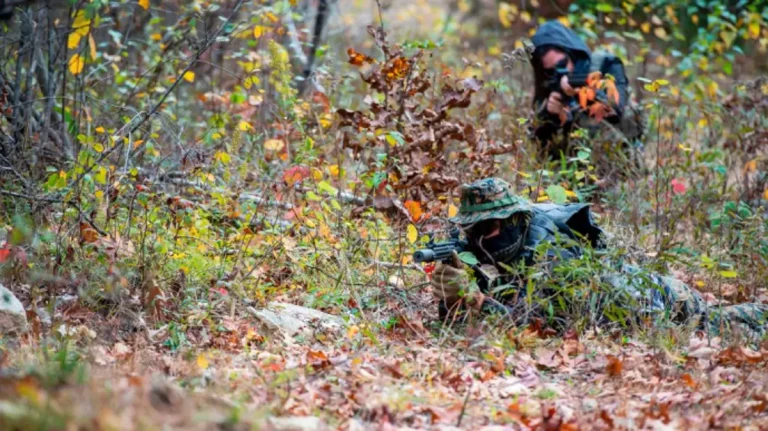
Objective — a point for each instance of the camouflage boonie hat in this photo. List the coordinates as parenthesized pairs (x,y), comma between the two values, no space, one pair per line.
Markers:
(487,199)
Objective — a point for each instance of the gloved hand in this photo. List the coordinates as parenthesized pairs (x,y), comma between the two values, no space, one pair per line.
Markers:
(451,283)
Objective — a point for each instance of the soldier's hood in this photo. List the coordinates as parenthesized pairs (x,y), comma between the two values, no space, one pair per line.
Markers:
(555,34)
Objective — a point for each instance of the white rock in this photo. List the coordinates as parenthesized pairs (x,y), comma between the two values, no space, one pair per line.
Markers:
(296,423)
(292,320)
(13,318)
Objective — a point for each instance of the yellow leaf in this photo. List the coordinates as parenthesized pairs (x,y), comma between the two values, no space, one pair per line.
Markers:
(525,16)
(326,119)
(259,31)
(765,194)
(98,147)
(222,156)
(202,361)
(699,283)
(156,36)
(99,194)
(751,166)
(92,45)
(754,30)
(76,64)
(645,27)
(248,83)
(334,170)
(101,175)
(729,274)
(317,174)
(81,25)
(505,13)
(412,235)
(272,17)
(703,122)
(274,144)
(99,129)
(189,76)
(144,4)
(73,40)
(452,210)
(244,126)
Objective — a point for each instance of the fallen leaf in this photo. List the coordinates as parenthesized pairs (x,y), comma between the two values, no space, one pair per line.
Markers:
(614,366)
(202,361)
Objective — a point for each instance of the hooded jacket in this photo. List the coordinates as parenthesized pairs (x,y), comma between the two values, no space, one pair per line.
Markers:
(553,34)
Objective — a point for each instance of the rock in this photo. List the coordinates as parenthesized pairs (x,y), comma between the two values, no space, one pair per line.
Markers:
(13,318)
(589,404)
(293,320)
(396,282)
(296,423)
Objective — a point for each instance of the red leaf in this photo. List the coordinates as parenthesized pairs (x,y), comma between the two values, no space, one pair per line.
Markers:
(295,174)
(4,253)
(678,186)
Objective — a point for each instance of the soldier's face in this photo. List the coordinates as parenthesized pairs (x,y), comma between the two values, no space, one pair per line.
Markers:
(552,57)
(484,229)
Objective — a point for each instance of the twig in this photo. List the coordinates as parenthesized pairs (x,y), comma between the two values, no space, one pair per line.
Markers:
(412,266)
(464,405)
(29,197)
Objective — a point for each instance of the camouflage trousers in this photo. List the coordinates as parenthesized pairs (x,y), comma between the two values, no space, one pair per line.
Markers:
(659,295)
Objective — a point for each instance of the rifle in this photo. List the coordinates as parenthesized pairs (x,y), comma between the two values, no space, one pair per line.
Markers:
(575,80)
(441,251)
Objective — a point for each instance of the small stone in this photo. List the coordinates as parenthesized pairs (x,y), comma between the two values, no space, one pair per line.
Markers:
(13,318)
(589,404)
(396,282)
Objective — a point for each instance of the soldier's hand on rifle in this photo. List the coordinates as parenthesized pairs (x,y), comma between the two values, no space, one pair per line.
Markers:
(555,104)
(450,279)
(566,86)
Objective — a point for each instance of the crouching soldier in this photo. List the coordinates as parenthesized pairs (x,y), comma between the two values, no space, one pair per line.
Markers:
(517,253)
(561,62)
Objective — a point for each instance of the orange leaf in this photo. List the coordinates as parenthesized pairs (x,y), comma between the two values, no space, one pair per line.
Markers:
(583,97)
(688,380)
(611,91)
(358,59)
(594,78)
(88,233)
(414,209)
(614,366)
